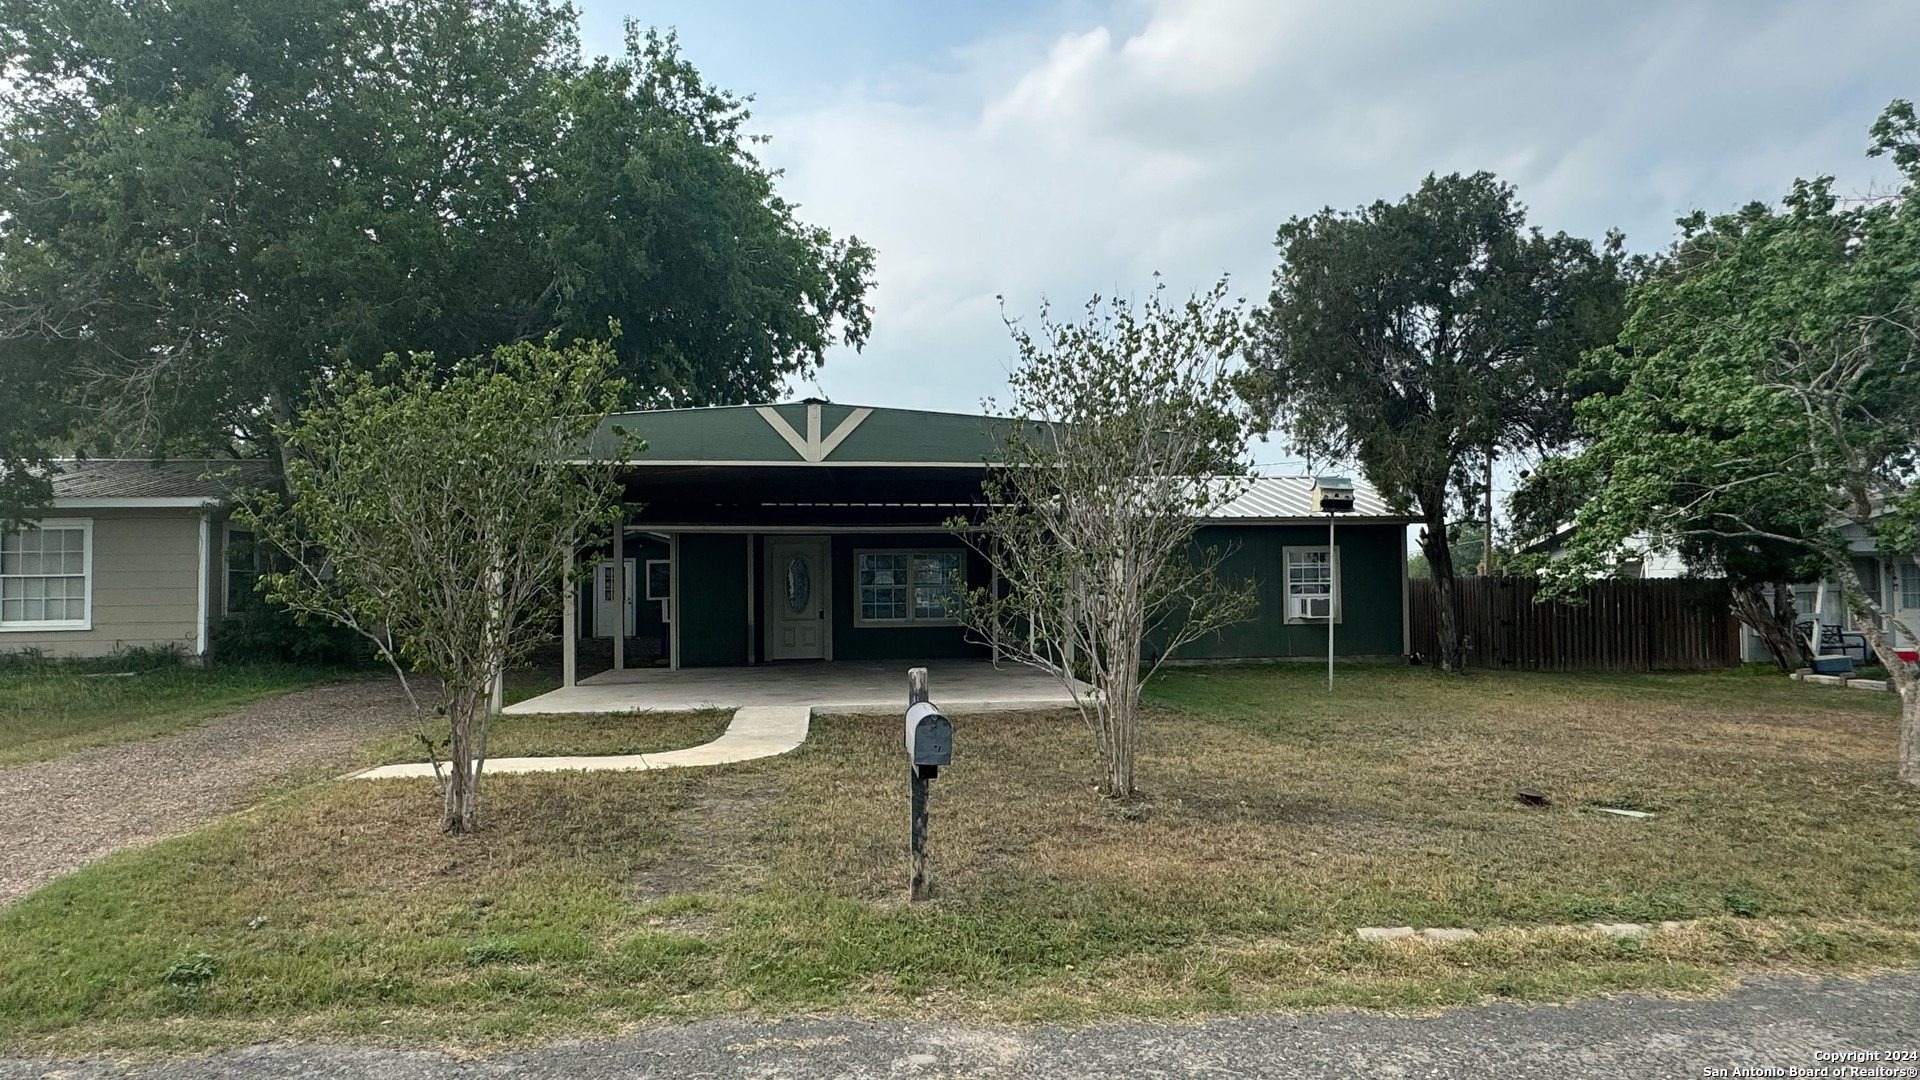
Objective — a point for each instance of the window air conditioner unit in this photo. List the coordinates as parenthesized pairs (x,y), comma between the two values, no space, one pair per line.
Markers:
(1313,607)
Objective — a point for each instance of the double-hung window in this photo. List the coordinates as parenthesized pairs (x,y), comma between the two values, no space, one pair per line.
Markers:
(1910,585)
(45,573)
(912,587)
(243,569)
(1310,595)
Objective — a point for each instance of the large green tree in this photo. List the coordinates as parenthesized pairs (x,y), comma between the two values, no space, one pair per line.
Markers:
(206,204)
(1769,394)
(1424,337)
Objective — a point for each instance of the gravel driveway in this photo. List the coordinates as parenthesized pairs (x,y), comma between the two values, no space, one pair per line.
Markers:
(1770,1024)
(58,816)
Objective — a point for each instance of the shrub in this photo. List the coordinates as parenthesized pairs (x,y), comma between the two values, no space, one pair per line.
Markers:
(266,633)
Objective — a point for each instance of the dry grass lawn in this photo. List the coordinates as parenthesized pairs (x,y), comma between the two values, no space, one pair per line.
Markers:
(1277,819)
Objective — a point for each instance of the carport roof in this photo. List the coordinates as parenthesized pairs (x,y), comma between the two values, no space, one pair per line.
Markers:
(803,433)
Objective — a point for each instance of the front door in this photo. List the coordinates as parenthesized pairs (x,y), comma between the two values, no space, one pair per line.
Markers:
(603,601)
(797,592)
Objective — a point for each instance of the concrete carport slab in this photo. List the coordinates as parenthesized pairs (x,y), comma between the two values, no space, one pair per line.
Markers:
(842,686)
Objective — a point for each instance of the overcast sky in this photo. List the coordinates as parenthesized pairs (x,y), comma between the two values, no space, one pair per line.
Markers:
(1058,150)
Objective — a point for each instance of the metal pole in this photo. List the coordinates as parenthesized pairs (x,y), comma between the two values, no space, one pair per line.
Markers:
(1333,592)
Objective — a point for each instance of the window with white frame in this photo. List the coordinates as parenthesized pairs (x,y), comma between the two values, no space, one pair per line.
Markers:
(909,586)
(44,572)
(1310,596)
(1910,585)
(660,586)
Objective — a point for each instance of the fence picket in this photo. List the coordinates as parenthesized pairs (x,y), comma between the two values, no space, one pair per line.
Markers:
(1633,625)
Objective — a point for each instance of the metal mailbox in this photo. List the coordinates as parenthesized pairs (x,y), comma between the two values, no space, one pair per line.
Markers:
(929,735)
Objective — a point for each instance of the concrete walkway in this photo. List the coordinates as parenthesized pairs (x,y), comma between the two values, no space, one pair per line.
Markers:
(774,703)
(756,731)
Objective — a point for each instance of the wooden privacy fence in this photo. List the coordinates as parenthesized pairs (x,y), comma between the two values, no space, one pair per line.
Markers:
(1665,624)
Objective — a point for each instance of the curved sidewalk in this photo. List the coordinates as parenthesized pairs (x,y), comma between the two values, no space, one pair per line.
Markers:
(756,731)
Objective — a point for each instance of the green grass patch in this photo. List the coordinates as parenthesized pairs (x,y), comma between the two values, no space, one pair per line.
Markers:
(1277,819)
(52,708)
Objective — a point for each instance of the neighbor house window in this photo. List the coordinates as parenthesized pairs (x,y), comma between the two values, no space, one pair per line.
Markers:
(1310,594)
(1910,585)
(909,586)
(44,576)
(242,569)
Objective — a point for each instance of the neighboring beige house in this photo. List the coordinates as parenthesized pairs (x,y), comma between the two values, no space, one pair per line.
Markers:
(133,553)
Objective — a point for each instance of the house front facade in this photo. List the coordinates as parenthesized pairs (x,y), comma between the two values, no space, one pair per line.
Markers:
(816,531)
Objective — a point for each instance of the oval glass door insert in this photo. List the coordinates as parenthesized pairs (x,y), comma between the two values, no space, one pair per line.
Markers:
(799,584)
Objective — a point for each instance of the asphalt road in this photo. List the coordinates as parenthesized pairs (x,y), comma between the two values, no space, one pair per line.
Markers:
(1768,1024)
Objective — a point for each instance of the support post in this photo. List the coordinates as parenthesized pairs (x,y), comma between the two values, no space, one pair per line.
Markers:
(917,780)
(917,861)
(620,600)
(569,624)
(673,602)
(1333,597)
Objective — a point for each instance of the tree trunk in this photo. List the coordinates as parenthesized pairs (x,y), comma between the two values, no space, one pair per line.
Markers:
(1910,733)
(463,783)
(1440,565)
(1486,540)
(1123,719)
(1773,622)
(1870,619)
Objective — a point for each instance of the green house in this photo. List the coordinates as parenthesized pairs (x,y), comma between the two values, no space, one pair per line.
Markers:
(816,531)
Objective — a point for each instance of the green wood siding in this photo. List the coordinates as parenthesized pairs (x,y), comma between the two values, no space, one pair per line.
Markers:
(1371,559)
(713,599)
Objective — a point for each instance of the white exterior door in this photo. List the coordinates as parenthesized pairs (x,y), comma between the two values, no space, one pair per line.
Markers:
(603,598)
(797,598)
(1905,600)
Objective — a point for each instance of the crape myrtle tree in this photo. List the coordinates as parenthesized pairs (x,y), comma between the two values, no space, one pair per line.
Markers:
(1122,433)
(434,510)
(1422,338)
(1772,361)
(205,205)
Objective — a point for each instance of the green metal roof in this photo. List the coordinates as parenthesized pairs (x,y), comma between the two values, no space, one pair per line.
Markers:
(805,433)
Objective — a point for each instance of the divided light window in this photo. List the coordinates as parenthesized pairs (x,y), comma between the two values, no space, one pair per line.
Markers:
(44,572)
(1910,585)
(243,569)
(1310,585)
(909,586)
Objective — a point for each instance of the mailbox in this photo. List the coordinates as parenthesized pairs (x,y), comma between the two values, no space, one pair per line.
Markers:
(929,735)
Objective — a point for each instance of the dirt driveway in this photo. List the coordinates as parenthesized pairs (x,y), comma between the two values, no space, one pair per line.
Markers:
(58,816)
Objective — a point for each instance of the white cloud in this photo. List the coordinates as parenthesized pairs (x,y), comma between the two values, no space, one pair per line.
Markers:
(1175,136)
